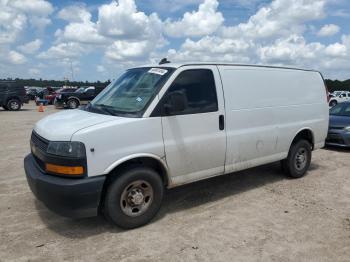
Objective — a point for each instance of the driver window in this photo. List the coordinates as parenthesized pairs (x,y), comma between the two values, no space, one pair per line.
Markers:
(198,86)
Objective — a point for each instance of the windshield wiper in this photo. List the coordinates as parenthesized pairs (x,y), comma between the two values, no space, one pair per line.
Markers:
(104,108)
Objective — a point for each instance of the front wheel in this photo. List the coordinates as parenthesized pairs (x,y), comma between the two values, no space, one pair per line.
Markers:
(13,105)
(72,103)
(299,158)
(134,197)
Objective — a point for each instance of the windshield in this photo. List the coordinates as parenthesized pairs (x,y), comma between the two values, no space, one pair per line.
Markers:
(131,93)
(340,110)
(81,90)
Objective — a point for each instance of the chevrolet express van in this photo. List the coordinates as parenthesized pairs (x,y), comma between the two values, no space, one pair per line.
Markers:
(162,126)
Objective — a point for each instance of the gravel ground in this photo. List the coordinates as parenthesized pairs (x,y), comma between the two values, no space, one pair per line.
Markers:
(254,215)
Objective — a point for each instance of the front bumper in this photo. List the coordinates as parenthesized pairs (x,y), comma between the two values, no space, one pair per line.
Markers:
(69,197)
(338,137)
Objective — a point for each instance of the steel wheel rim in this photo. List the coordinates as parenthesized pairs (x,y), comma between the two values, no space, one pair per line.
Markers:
(14,105)
(72,104)
(136,198)
(301,159)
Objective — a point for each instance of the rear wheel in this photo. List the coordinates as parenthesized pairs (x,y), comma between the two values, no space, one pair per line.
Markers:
(72,103)
(13,105)
(133,198)
(299,158)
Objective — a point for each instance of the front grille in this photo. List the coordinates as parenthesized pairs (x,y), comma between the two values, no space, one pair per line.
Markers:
(39,142)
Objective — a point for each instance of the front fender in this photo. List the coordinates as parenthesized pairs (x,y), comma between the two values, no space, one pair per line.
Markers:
(135,156)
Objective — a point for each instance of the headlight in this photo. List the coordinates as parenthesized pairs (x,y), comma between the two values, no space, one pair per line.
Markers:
(60,97)
(67,149)
(347,128)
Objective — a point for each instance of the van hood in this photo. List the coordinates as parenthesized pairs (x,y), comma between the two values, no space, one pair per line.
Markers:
(61,126)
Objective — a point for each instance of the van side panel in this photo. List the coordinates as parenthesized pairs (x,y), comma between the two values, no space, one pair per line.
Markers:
(266,108)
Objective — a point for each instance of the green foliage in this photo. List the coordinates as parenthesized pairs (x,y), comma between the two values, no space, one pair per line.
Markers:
(57,83)
(334,85)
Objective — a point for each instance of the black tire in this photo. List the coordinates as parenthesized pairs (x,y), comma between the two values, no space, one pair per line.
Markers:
(13,104)
(333,103)
(72,103)
(114,200)
(299,158)
(5,107)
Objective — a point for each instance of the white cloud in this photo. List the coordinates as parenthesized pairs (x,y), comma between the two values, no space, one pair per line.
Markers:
(328,30)
(31,47)
(120,29)
(84,32)
(212,48)
(280,18)
(197,23)
(16,58)
(33,7)
(16,14)
(34,71)
(292,50)
(12,24)
(74,13)
(336,50)
(64,50)
(100,68)
(126,50)
(122,20)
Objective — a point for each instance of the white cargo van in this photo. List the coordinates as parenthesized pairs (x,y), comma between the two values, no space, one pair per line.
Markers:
(166,125)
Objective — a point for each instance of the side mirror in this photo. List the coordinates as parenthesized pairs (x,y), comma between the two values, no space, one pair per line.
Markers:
(175,102)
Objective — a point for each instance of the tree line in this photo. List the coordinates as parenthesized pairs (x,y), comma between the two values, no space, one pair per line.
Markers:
(57,83)
(333,85)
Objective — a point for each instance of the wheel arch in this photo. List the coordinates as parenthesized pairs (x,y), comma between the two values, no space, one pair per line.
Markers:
(73,97)
(148,160)
(13,97)
(304,133)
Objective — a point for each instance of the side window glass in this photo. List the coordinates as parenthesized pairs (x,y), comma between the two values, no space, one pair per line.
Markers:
(197,87)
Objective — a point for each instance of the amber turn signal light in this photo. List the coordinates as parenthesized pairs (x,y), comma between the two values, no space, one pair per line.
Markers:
(64,170)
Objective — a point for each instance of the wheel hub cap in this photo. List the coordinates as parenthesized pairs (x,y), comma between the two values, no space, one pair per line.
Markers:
(301,159)
(136,198)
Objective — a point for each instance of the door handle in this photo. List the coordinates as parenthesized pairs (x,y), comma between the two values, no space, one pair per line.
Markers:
(221,122)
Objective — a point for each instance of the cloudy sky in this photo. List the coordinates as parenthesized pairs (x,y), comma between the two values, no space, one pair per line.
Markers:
(99,39)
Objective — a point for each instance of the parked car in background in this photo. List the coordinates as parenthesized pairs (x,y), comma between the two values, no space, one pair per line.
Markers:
(339,125)
(337,98)
(338,92)
(51,97)
(12,95)
(167,125)
(81,96)
(32,92)
(45,91)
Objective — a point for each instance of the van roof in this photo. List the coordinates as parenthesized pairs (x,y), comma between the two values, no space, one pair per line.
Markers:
(177,65)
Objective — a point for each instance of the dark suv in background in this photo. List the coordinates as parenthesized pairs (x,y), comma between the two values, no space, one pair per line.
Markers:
(74,99)
(12,95)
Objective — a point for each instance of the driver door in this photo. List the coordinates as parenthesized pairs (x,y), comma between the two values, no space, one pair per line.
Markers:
(195,138)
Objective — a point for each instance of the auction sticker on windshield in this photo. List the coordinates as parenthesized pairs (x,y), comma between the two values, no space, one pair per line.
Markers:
(158,71)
